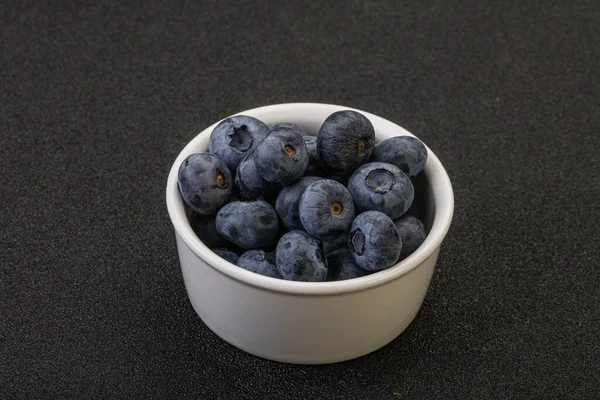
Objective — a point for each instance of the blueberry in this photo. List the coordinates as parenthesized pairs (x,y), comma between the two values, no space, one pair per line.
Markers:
(249,183)
(260,261)
(204,182)
(250,225)
(336,243)
(227,255)
(326,209)
(343,264)
(381,187)
(235,137)
(405,152)
(314,164)
(300,257)
(282,157)
(206,229)
(374,241)
(412,232)
(345,141)
(288,201)
(288,126)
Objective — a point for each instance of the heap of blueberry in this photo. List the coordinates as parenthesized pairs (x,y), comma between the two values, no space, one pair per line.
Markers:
(279,202)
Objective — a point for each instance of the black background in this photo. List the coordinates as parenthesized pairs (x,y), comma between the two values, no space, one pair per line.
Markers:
(98,100)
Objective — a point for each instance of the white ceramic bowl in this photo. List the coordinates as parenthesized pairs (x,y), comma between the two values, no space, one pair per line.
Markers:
(306,322)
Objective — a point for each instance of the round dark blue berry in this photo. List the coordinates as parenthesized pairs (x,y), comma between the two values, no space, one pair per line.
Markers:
(282,157)
(204,182)
(345,141)
(260,261)
(381,187)
(235,137)
(287,125)
(342,262)
(226,254)
(405,152)
(288,202)
(374,241)
(412,232)
(326,209)
(314,165)
(300,257)
(250,225)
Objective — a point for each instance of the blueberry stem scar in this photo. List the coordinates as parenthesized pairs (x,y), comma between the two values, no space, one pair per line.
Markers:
(290,150)
(361,145)
(358,242)
(221,181)
(337,208)
(240,139)
(380,180)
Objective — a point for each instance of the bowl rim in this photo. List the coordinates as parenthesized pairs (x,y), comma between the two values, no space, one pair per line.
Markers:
(442,194)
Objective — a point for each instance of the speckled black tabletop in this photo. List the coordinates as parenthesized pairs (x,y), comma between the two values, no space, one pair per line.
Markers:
(97,100)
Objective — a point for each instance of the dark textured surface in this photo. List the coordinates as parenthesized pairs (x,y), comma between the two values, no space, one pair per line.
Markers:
(97,101)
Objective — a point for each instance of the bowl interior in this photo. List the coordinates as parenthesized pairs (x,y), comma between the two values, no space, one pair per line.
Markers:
(433,189)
